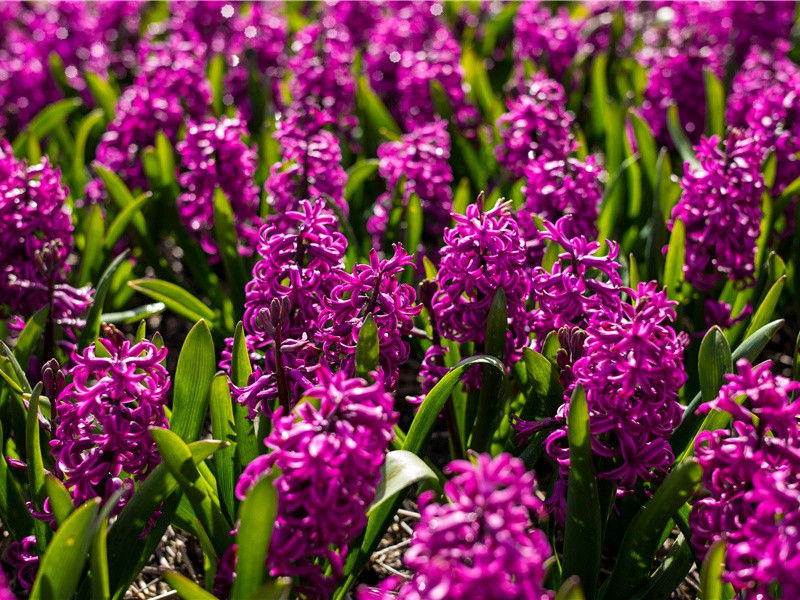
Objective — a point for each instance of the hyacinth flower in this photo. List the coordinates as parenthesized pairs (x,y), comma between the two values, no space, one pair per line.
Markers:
(479,545)
(750,471)
(419,163)
(545,38)
(5,592)
(170,86)
(359,17)
(214,155)
(631,368)
(537,124)
(371,289)
(329,450)
(321,72)
(23,558)
(482,254)
(721,209)
(310,168)
(409,48)
(580,284)
(101,440)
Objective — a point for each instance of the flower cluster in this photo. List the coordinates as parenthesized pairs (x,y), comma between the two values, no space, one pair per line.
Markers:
(170,86)
(482,254)
(311,166)
(102,416)
(420,161)
(631,369)
(410,48)
(721,209)
(23,557)
(751,474)
(329,451)
(358,16)
(481,544)
(213,156)
(536,124)
(546,39)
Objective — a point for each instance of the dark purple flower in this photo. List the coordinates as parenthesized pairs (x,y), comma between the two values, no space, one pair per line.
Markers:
(101,441)
(214,155)
(420,161)
(5,591)
(751,474)
(358,16)
(480,545)
(329,450)
(721,209)
(23,557)
(549,40)
(537,124)
(719,313)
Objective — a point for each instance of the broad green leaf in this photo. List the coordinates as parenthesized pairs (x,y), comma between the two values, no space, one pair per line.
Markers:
(46,121)
(376,113)
(62,564)
(166,159)
(633,177)
(767,307)
(123,218)
(178,459)
(711,572)
(60,500)
(676,254)
(713,363)
(186,588)
(570,590)
(461,198)
(414,222)
(539,383)
(583,529)
(103,93)
(216,77)
(679,138)
(368,348)
(642,538)
(646,146)
(228,241)
(92,328)
(715,104)
(478,79)
(633,272)
(223,428)
(670,573)
(126,317)
(257,515)
(278,588)
(120,195)
(598,84)
(193,376)
(175,297)
(30,336)
(13,512)
(94,234)
(19,373)
(33,456)
(400,470)
(87,125)
(358,174)
(98,561)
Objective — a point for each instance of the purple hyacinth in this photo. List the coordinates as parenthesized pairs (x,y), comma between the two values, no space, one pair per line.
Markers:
(35,241)
(483,253)
(751,474)
(537,124)
(721,209)
(759,23)
(420,161)
(374,289)
(580,284)
(558,187)
(631,369)
(5,591)
(480,545)
(214,155)
(23,558)
(298,268)
(358,16)
(546,39)
(329,451)
(321,69)
(170,86)
(409,48)
(311,166)
(101,441)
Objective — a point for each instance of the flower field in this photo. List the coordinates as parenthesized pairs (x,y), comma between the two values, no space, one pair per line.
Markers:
(363,300)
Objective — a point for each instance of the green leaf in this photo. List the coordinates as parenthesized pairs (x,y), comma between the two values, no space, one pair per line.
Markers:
(400,470)
(598,84)
(375,111)
(767,307)
(257,515)
(92,328)
(679,138)
(175,297)
(94,234)
(461,199)
(62,564)
(540,385)
(123,218)
(715,104)
(193,376)
(673,266)
(60,500)
(134,315)
(19,373)
(583,529)
(87,125)
(643,536)
(570,590)
(186,588)
(30,336)
(33,455)
(478,79)
(228,240)
(120,195)
(713,363)
(670,573)
(246,440)
(711,572)
(633,271)
(98,560)
(216,77)
(13,512)
(178,459)
(275,589)
(223,428)
(414,223)
(46,121)
(166,159)
(103,93)
(368,348)
(646,147)
(357,176)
